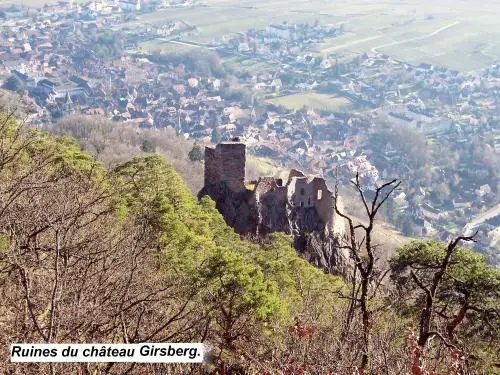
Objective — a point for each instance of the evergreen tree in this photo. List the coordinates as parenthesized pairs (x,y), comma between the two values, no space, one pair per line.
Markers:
(14,84)
(196,153)
(148,146)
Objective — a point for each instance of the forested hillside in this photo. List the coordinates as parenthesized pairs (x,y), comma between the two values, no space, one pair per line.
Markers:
(113,143)
(125,253)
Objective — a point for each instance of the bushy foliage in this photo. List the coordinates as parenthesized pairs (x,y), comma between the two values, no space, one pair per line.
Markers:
(466,308)
(113,144)
(129,254)
(14,84)
(108,44)
(148,146)
(206,63)
(196,153)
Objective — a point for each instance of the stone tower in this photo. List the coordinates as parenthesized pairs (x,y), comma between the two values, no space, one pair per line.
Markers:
(226,163)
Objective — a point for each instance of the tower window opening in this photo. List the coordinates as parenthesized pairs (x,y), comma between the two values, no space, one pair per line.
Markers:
(320,194)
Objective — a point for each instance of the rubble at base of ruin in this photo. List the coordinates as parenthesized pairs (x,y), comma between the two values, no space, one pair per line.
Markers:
(302,207)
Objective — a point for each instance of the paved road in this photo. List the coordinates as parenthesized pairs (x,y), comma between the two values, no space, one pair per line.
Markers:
(470,228)
(190,44)
(416,39)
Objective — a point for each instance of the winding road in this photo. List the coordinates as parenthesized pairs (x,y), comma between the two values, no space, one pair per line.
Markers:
(351,43)
(416,39)
(190,44)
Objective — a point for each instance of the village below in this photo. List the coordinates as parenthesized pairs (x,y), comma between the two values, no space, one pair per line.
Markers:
(245,187)
(331,115)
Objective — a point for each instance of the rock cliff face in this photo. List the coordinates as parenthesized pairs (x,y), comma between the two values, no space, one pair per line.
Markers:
(235,207)
(302,207)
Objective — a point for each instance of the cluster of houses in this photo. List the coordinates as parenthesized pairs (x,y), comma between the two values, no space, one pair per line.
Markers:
(337,145)
(445,105)
(90,9)
(158,96)
(289,42)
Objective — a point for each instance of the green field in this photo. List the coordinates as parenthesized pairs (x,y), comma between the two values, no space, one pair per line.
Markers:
(216,20)
(313,100)
(250,65)
(459,34)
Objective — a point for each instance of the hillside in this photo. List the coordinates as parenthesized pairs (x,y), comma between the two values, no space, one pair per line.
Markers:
(113,144)
(22,105)
(127,254)
(173,268)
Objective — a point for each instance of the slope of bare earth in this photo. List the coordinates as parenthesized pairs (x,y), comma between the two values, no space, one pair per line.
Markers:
(386,237)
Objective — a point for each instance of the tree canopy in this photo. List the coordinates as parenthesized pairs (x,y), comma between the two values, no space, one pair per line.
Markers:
(14,84)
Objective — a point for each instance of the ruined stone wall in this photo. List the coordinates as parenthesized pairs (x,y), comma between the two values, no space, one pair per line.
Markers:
(294,173)
(281,194)
(264,185)
(232,164)
(272,202)
(226,163)
(301,192)
(212,166)
(302,208)
(323,202)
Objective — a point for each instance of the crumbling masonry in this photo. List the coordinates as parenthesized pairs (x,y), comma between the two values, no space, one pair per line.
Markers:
(302,207)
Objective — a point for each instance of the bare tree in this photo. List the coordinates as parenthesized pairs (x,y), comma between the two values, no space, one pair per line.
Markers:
(359,242)
(72,270)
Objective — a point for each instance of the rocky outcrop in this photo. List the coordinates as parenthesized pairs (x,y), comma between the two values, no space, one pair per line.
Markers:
(236,207)
(321,251)
(312,241)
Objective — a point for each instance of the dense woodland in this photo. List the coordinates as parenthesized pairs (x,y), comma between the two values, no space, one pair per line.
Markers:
(122,251)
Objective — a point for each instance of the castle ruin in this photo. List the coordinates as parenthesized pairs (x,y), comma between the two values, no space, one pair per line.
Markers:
(302,207)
